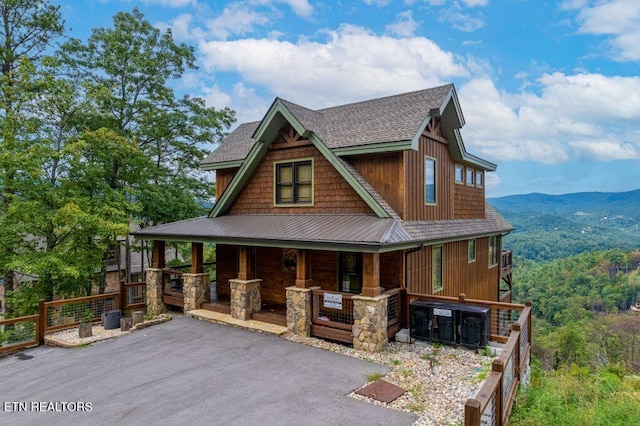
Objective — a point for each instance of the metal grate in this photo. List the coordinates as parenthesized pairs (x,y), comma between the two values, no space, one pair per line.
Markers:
(392,307)
(508,377)
(343,315)
(489,414)
(136,293)
(61,314)
(18,332)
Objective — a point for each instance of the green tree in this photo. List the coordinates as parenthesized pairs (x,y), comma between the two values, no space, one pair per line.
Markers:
(27,29)
(126,72)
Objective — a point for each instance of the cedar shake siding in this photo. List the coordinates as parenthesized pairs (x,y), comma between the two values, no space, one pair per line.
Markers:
(332,194)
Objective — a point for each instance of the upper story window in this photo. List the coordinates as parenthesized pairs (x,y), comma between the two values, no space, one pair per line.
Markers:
(471,174)
(479,179)
(294,182)
(437,270)
(493,251)
(459,175)
(429,180)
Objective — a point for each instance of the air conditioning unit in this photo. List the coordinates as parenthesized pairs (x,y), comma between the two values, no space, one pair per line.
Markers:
(474,325)
(434,321)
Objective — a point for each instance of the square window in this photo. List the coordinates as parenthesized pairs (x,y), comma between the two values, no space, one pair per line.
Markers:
(294,183)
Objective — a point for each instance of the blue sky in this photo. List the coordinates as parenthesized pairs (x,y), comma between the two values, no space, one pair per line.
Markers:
(550,90)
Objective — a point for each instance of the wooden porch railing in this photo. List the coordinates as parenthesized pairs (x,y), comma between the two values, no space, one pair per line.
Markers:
(332,315)
(493,403)
(172,291)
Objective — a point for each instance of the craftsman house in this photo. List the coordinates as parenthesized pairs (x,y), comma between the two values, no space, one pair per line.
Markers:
(338,218)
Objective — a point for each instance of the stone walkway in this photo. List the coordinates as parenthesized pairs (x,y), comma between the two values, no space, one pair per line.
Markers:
(206,315)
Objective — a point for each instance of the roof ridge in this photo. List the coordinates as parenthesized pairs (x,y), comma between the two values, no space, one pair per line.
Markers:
(398,95)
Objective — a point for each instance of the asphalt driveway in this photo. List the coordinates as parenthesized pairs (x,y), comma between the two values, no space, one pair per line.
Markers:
(192,372)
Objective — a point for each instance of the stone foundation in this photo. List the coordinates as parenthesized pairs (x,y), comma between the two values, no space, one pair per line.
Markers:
(196,288)
(155,281)
(299,310)
(245,298)
(370,323)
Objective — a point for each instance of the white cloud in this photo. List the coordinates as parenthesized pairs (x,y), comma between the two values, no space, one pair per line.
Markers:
(352,64)
(582,116)
(459,19)
(300,7)
(379,3)
(247,104)
(404,26)
(236,19)
(617,19)
(171,3)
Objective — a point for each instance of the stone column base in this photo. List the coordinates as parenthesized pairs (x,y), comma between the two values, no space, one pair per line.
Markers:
(370,323)
(245,298)
(196,290)
(299,310)
(155,281)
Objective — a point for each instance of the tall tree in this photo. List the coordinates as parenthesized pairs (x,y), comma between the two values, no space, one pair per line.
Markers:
(27,29)
(127,71)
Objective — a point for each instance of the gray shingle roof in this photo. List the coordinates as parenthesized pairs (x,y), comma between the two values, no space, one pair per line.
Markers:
(389,119)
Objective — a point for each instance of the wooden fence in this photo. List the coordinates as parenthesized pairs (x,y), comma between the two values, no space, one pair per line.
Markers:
(23,332)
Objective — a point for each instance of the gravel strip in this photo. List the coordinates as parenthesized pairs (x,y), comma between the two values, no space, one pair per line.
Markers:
(438,379)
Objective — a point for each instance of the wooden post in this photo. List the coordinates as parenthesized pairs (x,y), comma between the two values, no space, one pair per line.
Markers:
(246,271)
(42,321)
(472,414)
(461,298)
(528,304)
(123,296)
(498,366)
(303,269)
(197,258)
(158,254)
(371,275)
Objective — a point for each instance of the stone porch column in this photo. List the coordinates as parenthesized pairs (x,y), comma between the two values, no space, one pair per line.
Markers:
(370,323)
(196,290)
(155,281)
(299,310)
(245,298)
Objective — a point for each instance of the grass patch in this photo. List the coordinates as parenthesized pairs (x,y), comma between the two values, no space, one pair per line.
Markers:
(395,362)
(374,377)
(416,408)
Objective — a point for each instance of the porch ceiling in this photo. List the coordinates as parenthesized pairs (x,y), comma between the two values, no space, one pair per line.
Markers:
(357,232)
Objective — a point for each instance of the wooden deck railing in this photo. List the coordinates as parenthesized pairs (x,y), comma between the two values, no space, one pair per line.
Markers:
(27,331)
(493,403)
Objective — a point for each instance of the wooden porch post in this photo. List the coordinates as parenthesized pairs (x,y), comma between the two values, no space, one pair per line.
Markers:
(303,269)
(371,275)
(246,271)
(197,258)
(157,256)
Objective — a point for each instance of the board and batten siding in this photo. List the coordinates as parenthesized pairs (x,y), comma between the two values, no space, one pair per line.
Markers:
(332,193)
(414,181)
(475,279)
(385,173)
(223,178)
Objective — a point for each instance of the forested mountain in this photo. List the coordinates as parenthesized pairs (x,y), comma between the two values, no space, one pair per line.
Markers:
(552,227)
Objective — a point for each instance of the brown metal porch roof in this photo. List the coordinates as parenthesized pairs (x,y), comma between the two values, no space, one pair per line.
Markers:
(336,232)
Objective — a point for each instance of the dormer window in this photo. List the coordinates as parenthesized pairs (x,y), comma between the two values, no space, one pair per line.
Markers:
(294,183)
